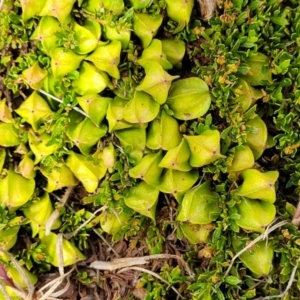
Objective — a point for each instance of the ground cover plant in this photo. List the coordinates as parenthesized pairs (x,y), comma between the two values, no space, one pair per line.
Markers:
(149,149)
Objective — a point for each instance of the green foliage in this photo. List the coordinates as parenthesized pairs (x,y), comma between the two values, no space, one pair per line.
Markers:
(161,142)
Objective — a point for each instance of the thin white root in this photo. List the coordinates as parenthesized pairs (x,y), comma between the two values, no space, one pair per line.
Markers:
(66,195)
(152,274)
(263,236)
(71,234)
(53,284)
(2,288)
(30,286)
(1,4)
(289,285)
(120,263)
(62,291)
(21,294)
(55,215)
(60,254)
(60,101)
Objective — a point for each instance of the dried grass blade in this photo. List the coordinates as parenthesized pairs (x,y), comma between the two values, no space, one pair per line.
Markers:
(30,286)
(71,234)
(53,284)
(120,263)
(263,236)
(60,101)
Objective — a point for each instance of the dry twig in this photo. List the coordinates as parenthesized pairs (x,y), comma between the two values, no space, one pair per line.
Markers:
(3,291)
(71,234)
(56,212)
(121,263)
(53,284)
(29,285)
(263,236)
(289,285)
(1,4)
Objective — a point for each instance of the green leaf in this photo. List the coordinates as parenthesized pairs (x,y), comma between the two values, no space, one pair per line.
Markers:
(34,76)
(9,135)
(189,98)
(58,9)
(163,133)
(112,221)
(220,295)
(90,80)
(141,109)
(143,198)
(39,146)
(38,212)
(34,110)
(157,82)
(279,21)
(64,61)
(95,106)
(200,205)
(9,237)
(115,115)
(154,53)
(242,159)
(177,158)
(259,71)
(58,178)
(85,134)
(2,157)
(232,280)
(246,95)
(225,132)
(85,170)
(180,11)
(45,33)
(119,34)
(71,254)
(257,138)
(18,278)
(205,148)
(116,7)
(258,259)
(258,185)
(5,113)
(31,8)
(148,169)
(135,138)
(15,190)
(26,167)
(255,4)
(174,51)
(86,40)
(107,58)
(195,233)
(255,215)
(177,183)
(145,26)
